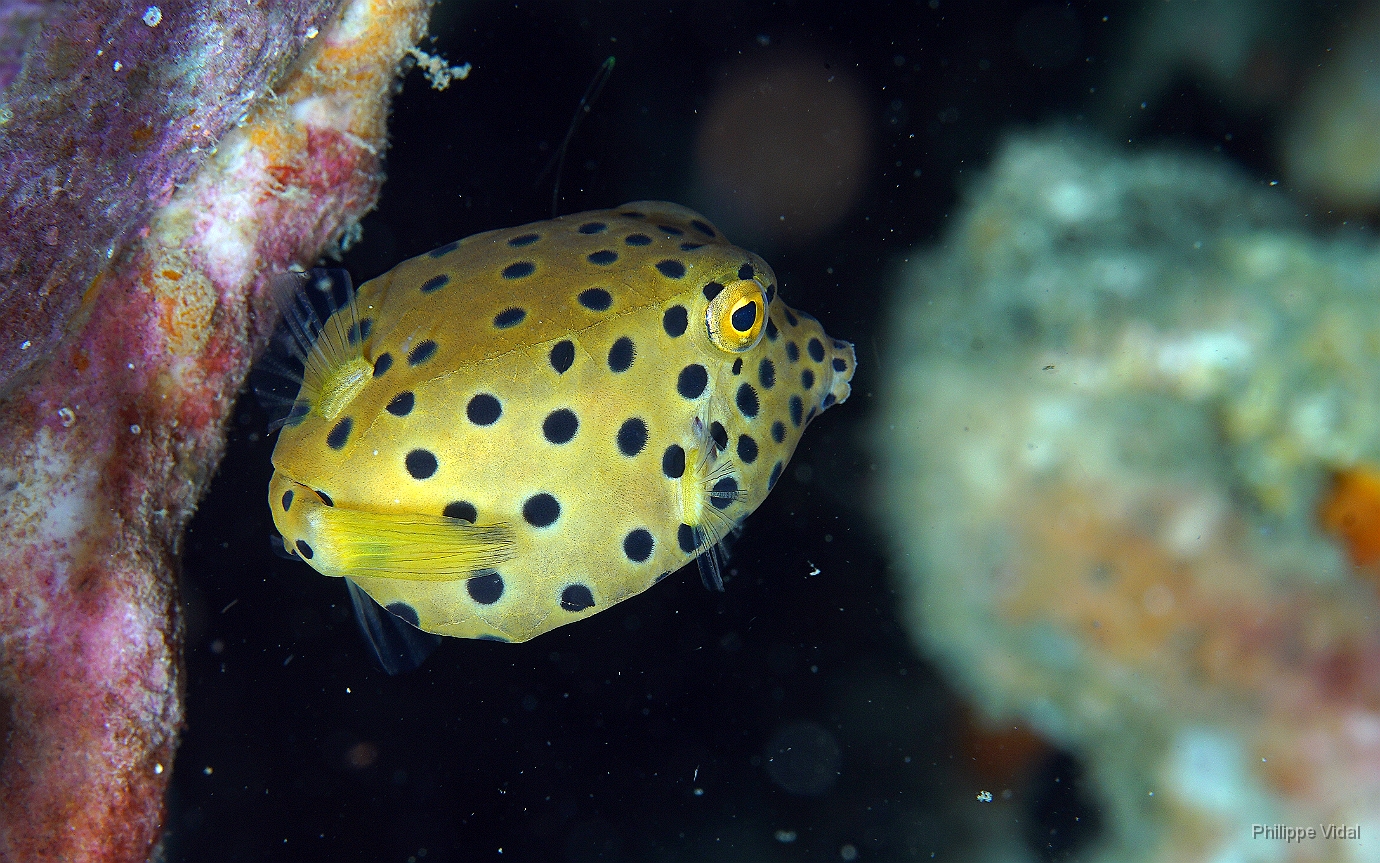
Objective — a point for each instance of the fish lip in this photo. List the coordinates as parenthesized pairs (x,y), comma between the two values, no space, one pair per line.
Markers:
(840,383)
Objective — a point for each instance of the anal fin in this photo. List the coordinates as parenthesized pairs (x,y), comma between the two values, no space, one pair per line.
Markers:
(396,645)
(711,573)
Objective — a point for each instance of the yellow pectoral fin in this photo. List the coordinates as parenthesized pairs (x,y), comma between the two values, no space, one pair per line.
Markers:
(412,547)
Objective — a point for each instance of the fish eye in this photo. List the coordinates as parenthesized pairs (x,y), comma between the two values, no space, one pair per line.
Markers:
(736,316)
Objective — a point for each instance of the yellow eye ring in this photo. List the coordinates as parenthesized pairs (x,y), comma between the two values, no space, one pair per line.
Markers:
(736,316)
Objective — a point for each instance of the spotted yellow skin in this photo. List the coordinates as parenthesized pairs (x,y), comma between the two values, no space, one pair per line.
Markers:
(397,524)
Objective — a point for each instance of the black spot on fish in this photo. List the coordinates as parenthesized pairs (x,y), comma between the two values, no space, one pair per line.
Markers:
(638,240)
(633,214)
(690,247)
(602,257)
(621,354)
(747,401)
(807,379)
(772,331)
(686,539)
(340,433)
(797,408)
(790,318)
(523,240)
(421,353)
(672,230)
(675,321)
(489,637)
(560,426)
(829,399)
(720,436)
(660,577)
(596,299)
(747,449)
(403,612)
(738,367)
(816,350)
(435,283)
(703,228)
(304,549)
(520,270)
(745,272)
(712,290)
(510,317)
(360,330)
(840,365)
(576,597)
(671,269)
(442,251)
(562,356)
(811,415)
(637,545)
(792,352)
(541,510)
(724,493)
(287,500)
(632,436)
(771,293)
(483,410)
(673,462)
(461,509)
(778,431)
(692,381)
(401,404)
(485,588)
(325,498)
(766,374)
(592,227)
(420,463)
(383,364)
(775,475)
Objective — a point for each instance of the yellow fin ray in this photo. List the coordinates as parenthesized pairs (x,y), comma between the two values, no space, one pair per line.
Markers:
(329,347)
(410,547)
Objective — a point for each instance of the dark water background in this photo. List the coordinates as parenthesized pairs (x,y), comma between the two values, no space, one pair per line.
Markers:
(642,733)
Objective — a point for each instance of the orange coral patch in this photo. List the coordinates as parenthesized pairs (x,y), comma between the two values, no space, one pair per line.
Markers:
(1350,510)
(1001,754)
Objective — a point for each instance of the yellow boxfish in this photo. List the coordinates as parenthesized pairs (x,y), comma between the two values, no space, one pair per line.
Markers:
(521,428)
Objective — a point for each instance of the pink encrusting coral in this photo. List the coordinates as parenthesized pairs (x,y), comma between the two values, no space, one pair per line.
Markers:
(106,448)
(113,106)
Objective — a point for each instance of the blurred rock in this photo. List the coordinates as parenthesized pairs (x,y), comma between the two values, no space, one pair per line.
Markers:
(1332,147)
(1118,399)
(1247,53)
(782,150)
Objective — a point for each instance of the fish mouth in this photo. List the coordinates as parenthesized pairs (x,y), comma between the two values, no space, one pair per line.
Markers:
(840,379)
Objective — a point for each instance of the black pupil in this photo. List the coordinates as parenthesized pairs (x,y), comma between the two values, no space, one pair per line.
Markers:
(745,317)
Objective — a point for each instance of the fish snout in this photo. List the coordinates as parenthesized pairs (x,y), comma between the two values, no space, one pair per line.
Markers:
(843,360)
